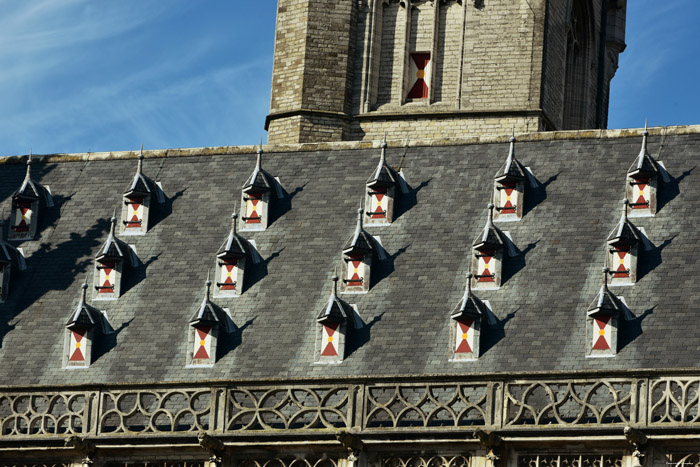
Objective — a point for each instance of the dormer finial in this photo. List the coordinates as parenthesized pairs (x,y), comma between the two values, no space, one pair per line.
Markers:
(335,282)
(625,204)
(512,136)
(208,284)
(234,218)
(606,271)
(83,292)
(469,283)
(359,218)
(113,221)
(258,162)
(491,206)
(646,131)
(139,166)
(29,164)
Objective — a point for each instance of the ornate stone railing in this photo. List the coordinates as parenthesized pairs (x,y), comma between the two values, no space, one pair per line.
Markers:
(362,406)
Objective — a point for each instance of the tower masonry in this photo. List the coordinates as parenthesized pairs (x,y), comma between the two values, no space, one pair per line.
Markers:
(355,69)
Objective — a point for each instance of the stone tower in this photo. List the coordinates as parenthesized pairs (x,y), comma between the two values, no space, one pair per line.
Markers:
(354,69)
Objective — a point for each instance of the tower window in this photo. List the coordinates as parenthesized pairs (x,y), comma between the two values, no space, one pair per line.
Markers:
(419,75)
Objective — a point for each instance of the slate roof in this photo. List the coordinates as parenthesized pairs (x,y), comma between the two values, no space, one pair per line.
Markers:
(540,308)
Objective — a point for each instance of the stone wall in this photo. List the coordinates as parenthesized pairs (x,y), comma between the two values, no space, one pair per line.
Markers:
(352,62)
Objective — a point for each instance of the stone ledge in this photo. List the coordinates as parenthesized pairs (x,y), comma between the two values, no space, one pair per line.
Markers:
(350,145)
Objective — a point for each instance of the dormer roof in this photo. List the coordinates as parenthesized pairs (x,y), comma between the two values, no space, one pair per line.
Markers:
(336,311)
(260,181)
(491,237)
(8,253)
(208,313)
(113,248)
(361,242)
(470,306)
(85,316)
(511,170)
(605,302)
(140,185)
(234,246)
(383,176)
(625,231)
(644,165)
(30,190)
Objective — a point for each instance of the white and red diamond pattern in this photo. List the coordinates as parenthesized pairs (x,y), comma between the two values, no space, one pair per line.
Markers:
(76,351)
(135,214)
(621,257)
(252,209)
(228,274)
(485,263)
(601,333)
(202,343)
(640,199)
(507,198)
(107,278)
(23,217)
(356,271)
(464,337)
(328,340)
(378,204)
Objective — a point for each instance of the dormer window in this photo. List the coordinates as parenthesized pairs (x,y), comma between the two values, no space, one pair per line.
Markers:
(488,253)
(642,182)
(138,201)
(333,327)
(205,325)
(110,262)
(382,190)
(603,318)
(465,328)
(231,262)
(358,255)
(509,188)
(623,247)
(10,260)
(84,326)
(257,193)
(26,203)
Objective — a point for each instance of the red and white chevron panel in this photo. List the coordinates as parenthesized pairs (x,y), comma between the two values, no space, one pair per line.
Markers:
(602,333)
(356,271)
(464,337)
(202,343)
(378,204)
(134,218)
(76,351)
(252,206)
(329,341)
(22,220)
(419,73)
(486,266)
(106,281)
(228,273)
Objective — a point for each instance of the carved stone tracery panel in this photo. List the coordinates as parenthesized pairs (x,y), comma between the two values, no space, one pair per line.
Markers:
(556,460)
(427,405)
(426,461)
(293,408)
(568,403)
(54,413)
(155,411)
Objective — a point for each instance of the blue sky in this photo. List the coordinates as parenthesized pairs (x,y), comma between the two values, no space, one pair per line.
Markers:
(88,75)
